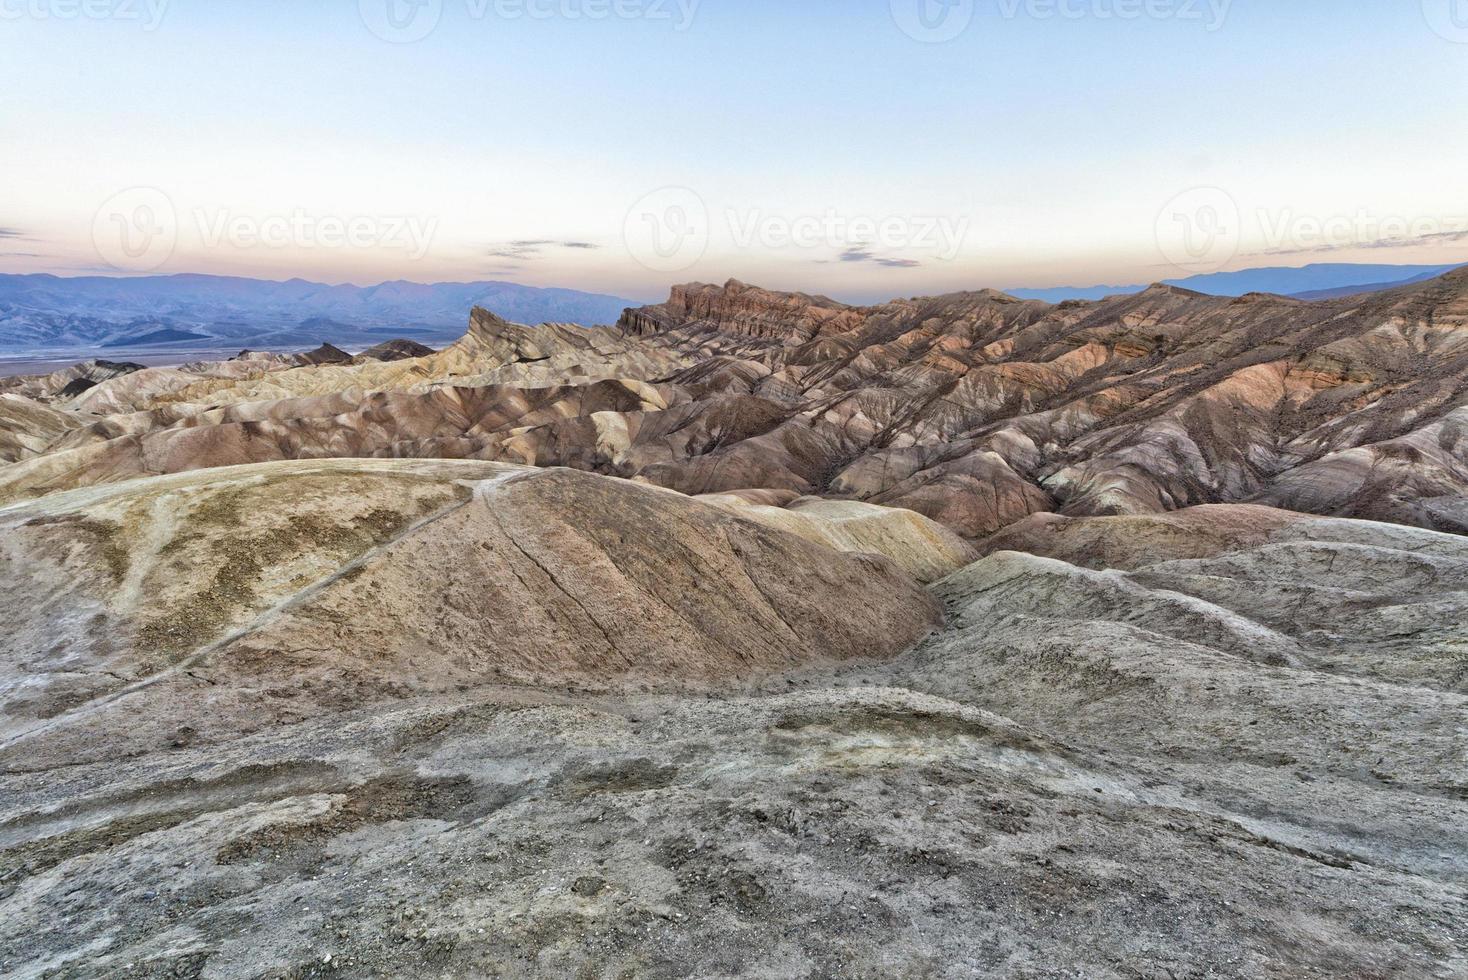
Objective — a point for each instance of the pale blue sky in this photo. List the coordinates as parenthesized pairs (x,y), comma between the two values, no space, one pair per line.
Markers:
(1047,143)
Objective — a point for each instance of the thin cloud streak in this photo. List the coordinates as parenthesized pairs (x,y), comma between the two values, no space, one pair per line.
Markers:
(1416,241)
(526,248)
(861,253)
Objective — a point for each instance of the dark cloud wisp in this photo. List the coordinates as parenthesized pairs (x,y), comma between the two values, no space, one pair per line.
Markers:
(862,253)
(1413,241)
(529,248)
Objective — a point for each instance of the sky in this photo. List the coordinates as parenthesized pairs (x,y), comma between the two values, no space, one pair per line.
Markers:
(863,149)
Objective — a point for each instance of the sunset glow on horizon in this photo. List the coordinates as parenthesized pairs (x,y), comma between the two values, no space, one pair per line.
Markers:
(841,147)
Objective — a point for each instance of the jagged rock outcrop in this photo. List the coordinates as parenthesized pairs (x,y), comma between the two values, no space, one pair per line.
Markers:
(786,318)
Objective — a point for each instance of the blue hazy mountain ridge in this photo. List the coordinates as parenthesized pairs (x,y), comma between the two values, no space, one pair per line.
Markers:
(46,312)
(1319,281)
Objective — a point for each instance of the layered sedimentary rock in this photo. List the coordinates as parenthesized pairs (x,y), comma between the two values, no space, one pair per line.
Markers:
(310,669)
(973,409)
(28,428)
(978,409)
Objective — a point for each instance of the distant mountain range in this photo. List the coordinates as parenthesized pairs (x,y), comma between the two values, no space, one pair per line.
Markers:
(44,312)
(1319,281)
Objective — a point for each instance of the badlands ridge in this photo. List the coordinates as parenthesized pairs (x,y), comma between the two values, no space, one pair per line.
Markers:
(757,635)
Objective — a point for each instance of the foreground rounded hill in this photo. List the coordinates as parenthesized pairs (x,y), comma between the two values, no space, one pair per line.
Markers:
(229,600)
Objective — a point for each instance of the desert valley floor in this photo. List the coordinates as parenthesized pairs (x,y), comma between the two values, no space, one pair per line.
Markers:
(755,636)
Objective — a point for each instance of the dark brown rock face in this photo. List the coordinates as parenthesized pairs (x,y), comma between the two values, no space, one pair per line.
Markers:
(325,354)
(396,350)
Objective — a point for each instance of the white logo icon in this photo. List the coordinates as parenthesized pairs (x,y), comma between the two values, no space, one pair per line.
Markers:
(668,230)
(401,21)
(933,21)
(136,230)
(1448,18)
(1200,230)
